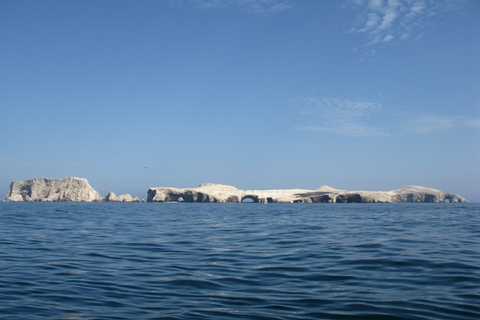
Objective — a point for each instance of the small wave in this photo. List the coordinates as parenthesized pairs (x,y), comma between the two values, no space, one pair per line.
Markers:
(239,262)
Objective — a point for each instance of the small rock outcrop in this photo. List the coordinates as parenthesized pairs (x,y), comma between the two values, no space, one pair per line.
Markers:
(112,197)
(44,189)
(210,192)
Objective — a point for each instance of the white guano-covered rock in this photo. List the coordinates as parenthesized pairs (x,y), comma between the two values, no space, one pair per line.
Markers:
(45,189)
(112,197)
(210,192)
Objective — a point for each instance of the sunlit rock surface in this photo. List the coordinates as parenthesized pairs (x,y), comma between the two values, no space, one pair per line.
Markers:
(210,192)
(112,197)
(78,189)
(44,189)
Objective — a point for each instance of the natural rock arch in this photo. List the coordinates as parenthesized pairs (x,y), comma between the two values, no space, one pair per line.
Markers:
(224,193)
(248,199)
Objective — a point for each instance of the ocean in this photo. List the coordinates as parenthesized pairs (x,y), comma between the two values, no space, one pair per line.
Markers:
(239,261)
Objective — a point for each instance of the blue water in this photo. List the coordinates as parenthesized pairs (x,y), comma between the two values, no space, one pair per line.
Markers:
(239,261)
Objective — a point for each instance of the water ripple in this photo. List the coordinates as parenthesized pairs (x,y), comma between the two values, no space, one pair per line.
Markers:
(197,261)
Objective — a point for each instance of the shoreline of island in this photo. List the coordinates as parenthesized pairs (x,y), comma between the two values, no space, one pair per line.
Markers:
(73,189)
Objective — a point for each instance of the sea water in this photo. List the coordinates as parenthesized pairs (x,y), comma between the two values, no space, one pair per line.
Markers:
(239,261)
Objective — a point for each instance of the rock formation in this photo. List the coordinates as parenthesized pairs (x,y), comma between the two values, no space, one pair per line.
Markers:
(223,193)
(112,197)
(43,189)
(78,189)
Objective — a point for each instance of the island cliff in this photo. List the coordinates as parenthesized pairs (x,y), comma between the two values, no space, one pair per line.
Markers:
(209,192)
(78,189)
(67,189)
(44,189)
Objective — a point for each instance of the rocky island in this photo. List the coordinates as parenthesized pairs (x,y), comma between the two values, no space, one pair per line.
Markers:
(79,190)
(210,192)
(59,190)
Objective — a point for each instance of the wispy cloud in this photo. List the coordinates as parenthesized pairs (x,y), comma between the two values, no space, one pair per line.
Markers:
(427,123)
(256,6)
(364,118)
(340,116)
(431,123)
(472,123)
(384,21)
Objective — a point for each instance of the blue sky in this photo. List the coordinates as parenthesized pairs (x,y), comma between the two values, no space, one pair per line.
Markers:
(259,94)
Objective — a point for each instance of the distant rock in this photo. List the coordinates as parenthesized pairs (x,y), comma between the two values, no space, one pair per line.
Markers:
(112,197)
(422,194)
(206,192)
(44,189)
(209,192)
(125,198)
(78,189)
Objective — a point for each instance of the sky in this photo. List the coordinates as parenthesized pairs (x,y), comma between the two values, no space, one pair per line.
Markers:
(258,94)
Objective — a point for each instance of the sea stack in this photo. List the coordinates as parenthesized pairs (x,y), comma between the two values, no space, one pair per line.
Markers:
(112,197)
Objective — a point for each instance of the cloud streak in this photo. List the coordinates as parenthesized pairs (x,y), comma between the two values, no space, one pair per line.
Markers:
(431,123)
(384,21)
(339,116)
(262,7)
(360,118)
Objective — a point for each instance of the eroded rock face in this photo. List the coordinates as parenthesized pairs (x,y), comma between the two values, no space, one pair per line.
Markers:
(44,189)
(112,197)
(207,192)
(78,189)
(223,193)
(422,194)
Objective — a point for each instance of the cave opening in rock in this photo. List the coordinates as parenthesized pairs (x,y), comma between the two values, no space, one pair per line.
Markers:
(248,200)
